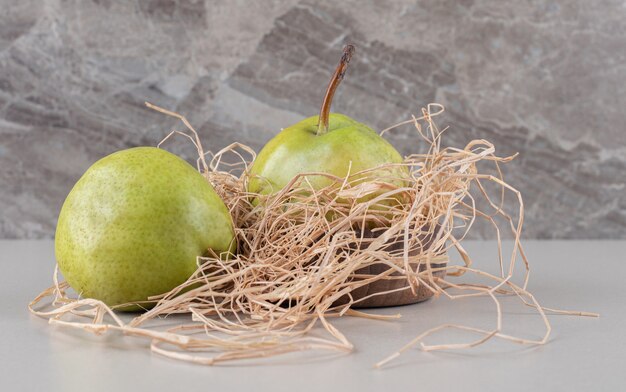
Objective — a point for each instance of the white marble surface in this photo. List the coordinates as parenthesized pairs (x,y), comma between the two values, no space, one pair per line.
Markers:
(583,354)
(542,77)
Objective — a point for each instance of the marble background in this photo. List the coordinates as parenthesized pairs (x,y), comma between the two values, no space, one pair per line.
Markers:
(545,78)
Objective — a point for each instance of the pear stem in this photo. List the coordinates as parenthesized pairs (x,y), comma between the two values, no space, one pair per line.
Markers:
(322,125)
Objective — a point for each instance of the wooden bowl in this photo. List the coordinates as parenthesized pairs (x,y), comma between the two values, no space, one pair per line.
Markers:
(403,297)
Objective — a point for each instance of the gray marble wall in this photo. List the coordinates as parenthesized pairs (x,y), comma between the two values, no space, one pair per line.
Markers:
(545,78)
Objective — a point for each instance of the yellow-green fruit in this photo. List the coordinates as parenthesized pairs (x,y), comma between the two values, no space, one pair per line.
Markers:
(134,224)
(347,147)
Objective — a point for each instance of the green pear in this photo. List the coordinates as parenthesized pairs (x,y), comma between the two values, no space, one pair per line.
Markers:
(135,222)
(329,143)
(347,147)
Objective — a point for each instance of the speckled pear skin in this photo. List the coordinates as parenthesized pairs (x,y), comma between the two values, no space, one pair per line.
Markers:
(298,149)
(134,224)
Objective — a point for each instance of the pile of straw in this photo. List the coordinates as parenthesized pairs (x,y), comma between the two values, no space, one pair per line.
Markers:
(296,268)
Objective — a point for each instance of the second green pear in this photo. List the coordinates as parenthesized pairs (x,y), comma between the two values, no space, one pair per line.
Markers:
(348,147)
(329,143)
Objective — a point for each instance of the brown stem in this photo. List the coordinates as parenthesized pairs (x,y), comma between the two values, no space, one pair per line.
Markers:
(322,125)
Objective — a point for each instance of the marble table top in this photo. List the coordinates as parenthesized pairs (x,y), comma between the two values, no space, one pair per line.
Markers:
(582,354)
